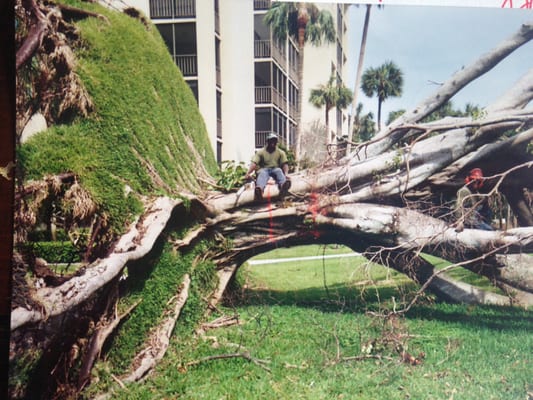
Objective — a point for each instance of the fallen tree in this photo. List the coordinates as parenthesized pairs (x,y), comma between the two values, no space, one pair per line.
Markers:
(389,199)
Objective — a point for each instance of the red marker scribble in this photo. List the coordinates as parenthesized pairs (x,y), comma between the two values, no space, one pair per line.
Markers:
(528,4)
(313,209)
(271,218)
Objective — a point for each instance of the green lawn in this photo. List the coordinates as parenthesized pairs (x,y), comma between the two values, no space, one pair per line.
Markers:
(304,320)
(351,280)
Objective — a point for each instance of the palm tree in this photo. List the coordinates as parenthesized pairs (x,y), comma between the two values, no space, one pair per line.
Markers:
(364,126)
(305,23)
(385,81)
(333,94)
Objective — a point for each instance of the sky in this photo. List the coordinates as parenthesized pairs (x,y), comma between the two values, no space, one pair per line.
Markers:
(430,43)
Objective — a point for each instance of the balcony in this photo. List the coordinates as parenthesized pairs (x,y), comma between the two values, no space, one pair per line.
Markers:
(172,9)
(261,138)
(293,111)
(268,49)
(188,64)
(262,49)
(262,4)
(269,95)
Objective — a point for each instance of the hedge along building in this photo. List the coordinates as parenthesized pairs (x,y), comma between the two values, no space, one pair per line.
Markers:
(244,80)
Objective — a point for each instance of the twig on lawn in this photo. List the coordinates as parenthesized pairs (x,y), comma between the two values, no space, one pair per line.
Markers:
(120,383)
(220,322)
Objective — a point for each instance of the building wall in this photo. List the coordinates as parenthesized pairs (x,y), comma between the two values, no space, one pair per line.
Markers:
(205,39)
(237,69)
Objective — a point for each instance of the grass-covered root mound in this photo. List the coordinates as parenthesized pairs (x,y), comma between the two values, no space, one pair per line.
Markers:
(144,136)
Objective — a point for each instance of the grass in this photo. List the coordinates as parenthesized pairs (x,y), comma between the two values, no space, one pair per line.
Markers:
(351,280)
(300,329)
(463,274)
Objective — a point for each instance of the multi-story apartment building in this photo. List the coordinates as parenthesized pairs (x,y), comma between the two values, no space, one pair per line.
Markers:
(244,79)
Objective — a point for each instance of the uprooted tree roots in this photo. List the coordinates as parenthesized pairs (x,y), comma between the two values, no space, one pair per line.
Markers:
(46,81)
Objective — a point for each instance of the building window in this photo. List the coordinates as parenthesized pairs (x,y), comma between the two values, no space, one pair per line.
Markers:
(180,39)
(219,152)
(217,61)
(219,114)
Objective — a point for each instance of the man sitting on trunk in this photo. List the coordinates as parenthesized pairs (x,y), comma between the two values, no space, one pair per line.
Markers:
(272,163)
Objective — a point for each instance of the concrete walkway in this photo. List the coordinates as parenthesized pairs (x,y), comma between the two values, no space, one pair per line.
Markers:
(292,259)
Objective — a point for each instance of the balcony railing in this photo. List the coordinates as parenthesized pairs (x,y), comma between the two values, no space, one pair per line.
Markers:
(261,138)
(185,8)
(278,52)
(172,8)
(268,49)
(263,95)
(161,8)
(188,64)
(292,110)
(262,4)
(262,49)
(269,95)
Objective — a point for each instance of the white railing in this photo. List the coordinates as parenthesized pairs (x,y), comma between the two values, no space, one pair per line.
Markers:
(263,94)
(261,4)
(172,8)
(185,8)
(161,8)
(261,138)
(187,63)
(262,48)
(269,95)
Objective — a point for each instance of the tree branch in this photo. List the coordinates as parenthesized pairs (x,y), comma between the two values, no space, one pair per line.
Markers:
(391,134)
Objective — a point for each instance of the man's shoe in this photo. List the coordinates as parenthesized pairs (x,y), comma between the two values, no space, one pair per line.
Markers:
(258,194)
(284,189)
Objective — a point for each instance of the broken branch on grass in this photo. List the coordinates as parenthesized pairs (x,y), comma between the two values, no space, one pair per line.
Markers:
(220,322)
